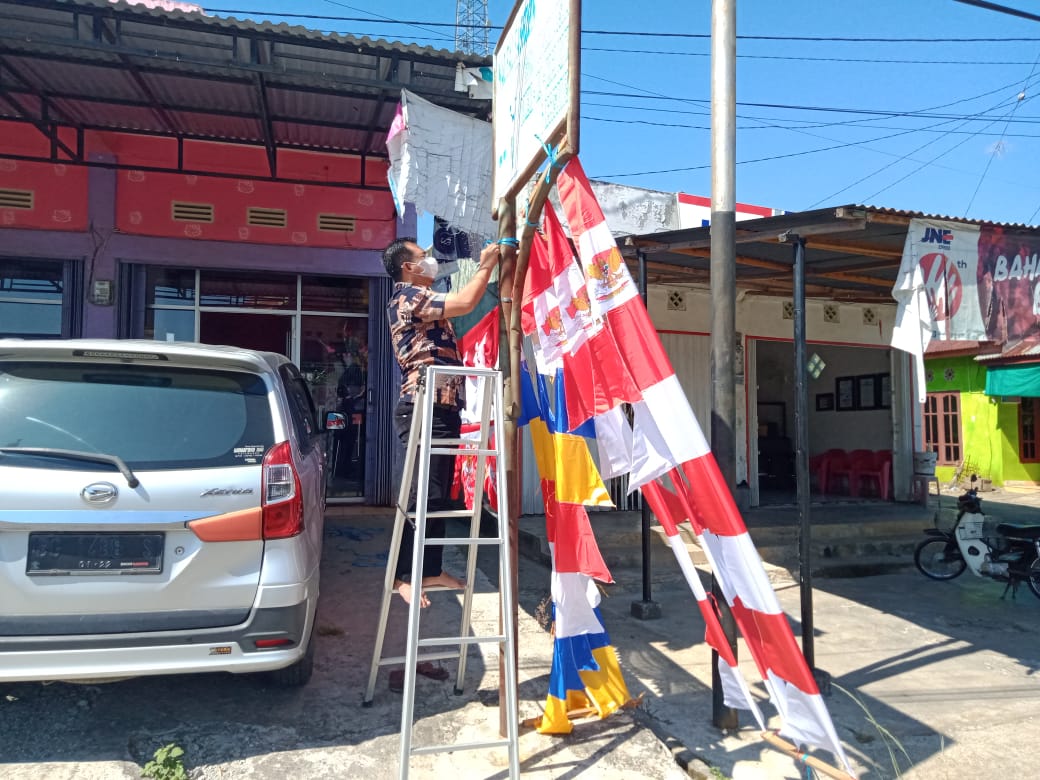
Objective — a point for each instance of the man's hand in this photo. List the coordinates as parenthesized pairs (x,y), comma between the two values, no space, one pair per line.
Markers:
(490,256)
(465,300)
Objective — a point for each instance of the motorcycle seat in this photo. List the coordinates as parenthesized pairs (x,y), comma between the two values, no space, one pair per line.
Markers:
(1019,531)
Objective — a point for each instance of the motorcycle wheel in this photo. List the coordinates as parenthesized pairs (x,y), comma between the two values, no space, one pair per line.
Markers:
(942,560)
(1034,578)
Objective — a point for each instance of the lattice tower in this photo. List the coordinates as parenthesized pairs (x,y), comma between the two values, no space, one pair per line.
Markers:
(471,26)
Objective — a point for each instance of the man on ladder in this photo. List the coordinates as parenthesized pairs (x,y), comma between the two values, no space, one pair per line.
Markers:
(422,335)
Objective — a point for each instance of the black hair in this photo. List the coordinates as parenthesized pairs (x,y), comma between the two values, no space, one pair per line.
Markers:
(396,255)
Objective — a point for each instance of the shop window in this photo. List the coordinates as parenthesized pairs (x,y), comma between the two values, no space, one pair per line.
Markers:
(34,298)
(325,293)
(1029,430)
(248,290)
(942,427)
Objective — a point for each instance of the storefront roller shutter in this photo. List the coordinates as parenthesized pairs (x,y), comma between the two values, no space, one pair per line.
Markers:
(384,387)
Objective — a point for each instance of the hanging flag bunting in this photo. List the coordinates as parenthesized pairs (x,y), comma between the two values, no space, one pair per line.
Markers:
(586,676)
(479,348)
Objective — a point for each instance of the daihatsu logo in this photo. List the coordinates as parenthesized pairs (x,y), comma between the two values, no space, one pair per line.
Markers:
(99,493)
(226,492)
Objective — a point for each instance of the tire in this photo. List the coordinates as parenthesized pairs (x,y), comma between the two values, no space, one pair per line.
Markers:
(298,673)
(939,559)
(1033,578)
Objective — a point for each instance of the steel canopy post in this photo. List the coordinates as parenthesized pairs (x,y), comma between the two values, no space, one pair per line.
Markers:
(801,461)
(645,609)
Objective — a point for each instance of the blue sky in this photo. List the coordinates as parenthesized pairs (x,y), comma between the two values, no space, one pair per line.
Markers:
(933,124)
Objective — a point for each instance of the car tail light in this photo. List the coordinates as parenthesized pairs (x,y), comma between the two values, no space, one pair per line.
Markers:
(282,496)
(263,644)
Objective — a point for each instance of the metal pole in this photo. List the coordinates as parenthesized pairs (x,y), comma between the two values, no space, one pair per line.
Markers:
(645,609)
(723,289)
(801,452)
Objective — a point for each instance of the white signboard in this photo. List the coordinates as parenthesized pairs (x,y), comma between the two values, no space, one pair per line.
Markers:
(532,78)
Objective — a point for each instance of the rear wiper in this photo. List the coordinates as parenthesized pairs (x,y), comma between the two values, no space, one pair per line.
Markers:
(93,457)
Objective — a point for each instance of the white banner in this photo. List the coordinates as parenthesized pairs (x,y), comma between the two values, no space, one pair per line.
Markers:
(440,160)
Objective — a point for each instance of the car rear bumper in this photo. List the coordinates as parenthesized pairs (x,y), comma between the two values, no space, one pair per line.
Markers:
(226,649)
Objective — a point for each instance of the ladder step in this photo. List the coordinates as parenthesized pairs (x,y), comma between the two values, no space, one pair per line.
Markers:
(426,749)
(456,443)
(442,513)
(458,451)
(398,660)
(482,540)
(440,641)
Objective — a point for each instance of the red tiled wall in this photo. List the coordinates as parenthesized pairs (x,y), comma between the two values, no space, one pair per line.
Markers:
(59,191)
(144,198)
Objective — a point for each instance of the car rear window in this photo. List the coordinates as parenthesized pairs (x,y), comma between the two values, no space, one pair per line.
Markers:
(153,417)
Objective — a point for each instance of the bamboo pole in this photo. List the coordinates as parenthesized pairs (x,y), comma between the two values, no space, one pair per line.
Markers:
(511,284)
(792,750)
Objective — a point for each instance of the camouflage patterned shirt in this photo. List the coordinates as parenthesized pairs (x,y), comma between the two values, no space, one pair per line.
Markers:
(421,336)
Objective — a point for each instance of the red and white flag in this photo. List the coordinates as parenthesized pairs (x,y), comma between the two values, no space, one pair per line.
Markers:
(667,439)
(662,419)
(556,297)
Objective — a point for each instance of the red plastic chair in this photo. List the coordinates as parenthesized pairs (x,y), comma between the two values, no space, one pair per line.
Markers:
(836,469)
(861,463)
(879,470)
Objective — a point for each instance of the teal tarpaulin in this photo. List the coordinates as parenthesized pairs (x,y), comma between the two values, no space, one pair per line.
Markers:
(1014,380)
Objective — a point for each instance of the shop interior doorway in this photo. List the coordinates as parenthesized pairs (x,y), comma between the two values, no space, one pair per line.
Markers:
(849,421)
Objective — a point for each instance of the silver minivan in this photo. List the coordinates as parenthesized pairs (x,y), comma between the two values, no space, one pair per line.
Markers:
(161,511)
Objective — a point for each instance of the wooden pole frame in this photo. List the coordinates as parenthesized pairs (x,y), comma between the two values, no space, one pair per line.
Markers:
(788,748)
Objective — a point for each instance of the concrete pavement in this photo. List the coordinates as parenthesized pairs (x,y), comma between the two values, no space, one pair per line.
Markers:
(929,679)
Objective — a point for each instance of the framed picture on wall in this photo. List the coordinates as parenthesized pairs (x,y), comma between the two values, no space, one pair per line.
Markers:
(866,391)
(845,393)
(884,385)
(825,402)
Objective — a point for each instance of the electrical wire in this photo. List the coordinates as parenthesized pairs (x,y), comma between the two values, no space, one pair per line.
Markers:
(867,60)
(1000,144)
(624,33)
(901,158)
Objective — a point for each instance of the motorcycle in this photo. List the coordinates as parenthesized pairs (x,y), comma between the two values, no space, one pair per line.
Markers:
(1000,551)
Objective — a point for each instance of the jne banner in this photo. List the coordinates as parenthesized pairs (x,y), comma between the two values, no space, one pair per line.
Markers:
(980,283)
(966,283)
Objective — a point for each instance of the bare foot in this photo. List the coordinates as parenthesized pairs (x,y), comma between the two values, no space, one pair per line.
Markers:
(405,590)
(445,580)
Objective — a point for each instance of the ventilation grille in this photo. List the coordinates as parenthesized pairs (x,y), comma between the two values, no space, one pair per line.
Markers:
(788,310)
(830,313)
(261,217)
(869,316)
(16,199)
(676,300)
(339,223)
(192,212)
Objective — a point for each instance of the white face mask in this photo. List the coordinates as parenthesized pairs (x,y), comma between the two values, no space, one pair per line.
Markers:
(428,267)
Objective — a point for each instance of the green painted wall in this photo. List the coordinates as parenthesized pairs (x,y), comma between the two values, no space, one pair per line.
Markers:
(989,428)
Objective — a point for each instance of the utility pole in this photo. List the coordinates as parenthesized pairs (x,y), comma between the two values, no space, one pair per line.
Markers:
(471,26)
(723,292)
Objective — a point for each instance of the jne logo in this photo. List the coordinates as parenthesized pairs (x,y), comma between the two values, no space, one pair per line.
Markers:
(937,236)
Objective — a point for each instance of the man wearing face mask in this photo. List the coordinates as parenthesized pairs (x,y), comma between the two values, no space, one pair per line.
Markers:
(422,335)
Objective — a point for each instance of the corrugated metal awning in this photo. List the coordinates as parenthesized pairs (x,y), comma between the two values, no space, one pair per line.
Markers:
(852,252)
(97,65)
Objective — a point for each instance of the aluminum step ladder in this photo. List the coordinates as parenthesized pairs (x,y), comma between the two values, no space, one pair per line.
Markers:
(421,446)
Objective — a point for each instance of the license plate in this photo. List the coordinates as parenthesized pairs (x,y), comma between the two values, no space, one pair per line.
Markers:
(94,553)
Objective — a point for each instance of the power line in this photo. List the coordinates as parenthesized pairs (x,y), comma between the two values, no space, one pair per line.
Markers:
(999,145)
(864,60)
(624,33)
(795,107)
